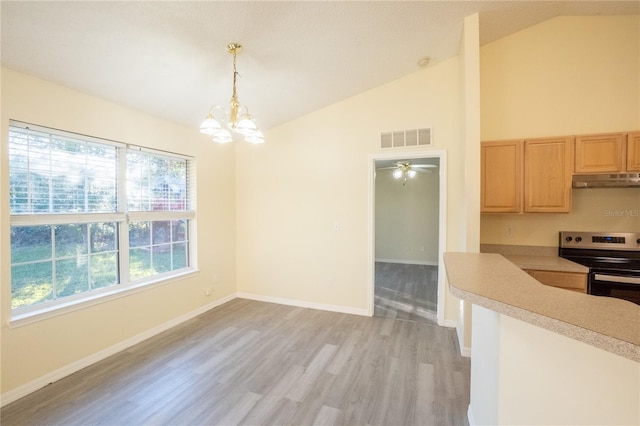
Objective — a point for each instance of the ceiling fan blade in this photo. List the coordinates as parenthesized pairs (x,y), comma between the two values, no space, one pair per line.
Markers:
(425,166)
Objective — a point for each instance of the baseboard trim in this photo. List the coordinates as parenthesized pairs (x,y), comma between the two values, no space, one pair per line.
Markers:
(408,261)
(40,382)
(465,351)
(450,323)
(305,304)
(470,417)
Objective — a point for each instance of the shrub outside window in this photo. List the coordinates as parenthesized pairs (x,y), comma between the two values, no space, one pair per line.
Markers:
(90,216)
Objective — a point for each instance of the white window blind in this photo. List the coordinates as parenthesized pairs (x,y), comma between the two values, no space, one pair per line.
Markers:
(156,182)
(52,173)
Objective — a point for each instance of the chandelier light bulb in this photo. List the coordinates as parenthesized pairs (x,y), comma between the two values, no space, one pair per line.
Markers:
(222,136)
(210,126)
(397,174)
(246,126)
(255,137)
(411,174)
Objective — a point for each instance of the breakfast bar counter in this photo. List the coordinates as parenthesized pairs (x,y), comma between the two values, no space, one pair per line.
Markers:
(494,282)
(545,355)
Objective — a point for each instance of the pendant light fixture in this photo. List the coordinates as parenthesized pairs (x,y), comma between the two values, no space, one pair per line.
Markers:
(220,123)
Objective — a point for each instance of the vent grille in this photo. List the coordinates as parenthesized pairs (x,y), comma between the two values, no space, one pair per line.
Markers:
(402,138)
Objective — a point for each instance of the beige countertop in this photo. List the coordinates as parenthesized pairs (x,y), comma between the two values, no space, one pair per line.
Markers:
(492,281)
(535,257)
(546,263)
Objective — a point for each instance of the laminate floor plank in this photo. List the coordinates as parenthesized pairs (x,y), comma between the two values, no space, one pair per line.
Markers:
(405,291)
(255,363)
(326,416)
(267,406)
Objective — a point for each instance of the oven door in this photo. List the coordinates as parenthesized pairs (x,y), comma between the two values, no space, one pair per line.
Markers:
(621,285)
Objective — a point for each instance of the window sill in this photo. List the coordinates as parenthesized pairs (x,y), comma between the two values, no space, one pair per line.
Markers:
(26,318)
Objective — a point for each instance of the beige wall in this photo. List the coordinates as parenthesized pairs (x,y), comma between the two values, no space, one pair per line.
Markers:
(407,217)
(35,350)
(568,75)
(313,173)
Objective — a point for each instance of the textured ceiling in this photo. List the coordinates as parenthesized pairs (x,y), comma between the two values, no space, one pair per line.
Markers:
(168,58)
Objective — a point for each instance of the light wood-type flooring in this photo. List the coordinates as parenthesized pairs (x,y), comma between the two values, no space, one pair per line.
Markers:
(249,362)
(408,292)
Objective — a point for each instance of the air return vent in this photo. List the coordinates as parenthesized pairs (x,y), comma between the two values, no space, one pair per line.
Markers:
(402,138)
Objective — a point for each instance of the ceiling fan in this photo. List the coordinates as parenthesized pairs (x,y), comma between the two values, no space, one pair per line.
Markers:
(406,170)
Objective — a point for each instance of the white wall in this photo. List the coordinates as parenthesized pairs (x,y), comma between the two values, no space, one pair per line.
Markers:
(313,173)
(485,367)
(406,216)
(565,76)
(525,375)
(36,350)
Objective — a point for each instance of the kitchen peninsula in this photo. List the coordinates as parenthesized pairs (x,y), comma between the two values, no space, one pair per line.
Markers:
(544,355)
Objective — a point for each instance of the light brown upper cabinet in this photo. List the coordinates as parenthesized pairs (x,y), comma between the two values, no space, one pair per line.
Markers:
(533,175)
(548,167)
(633,152)
(501,176)
(604,153)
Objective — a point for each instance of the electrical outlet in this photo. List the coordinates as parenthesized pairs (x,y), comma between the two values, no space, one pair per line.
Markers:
(330,282)
(207,292)
(509,231)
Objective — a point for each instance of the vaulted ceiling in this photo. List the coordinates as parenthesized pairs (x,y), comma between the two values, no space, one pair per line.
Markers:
(168,58)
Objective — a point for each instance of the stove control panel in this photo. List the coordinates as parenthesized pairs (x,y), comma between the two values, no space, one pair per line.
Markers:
(600,240)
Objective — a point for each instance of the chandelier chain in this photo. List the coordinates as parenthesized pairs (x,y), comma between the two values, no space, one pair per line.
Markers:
(235,74)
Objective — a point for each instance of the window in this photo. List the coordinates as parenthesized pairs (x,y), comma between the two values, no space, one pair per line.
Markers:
(156,186)
(90,216)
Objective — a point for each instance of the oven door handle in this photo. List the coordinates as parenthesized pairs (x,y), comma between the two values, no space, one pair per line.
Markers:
(617,279)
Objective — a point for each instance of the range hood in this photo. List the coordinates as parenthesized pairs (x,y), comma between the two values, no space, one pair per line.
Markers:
(618,180)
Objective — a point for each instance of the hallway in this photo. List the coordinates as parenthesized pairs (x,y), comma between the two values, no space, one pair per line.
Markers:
(405,291)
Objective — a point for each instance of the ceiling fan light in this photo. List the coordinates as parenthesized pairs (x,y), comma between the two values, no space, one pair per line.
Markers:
(411,174)
(210,126)
(397,174)
(222,136)
(255,137)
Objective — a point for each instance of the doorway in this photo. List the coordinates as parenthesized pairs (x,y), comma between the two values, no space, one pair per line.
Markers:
(407,206)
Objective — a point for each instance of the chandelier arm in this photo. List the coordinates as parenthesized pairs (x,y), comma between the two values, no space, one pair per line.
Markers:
(214,108)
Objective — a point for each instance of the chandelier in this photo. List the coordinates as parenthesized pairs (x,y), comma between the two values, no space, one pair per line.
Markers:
(220,123)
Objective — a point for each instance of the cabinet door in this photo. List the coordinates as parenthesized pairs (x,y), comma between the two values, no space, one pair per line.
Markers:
(548,166)
(600,153)
(633,152)
(501,177)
